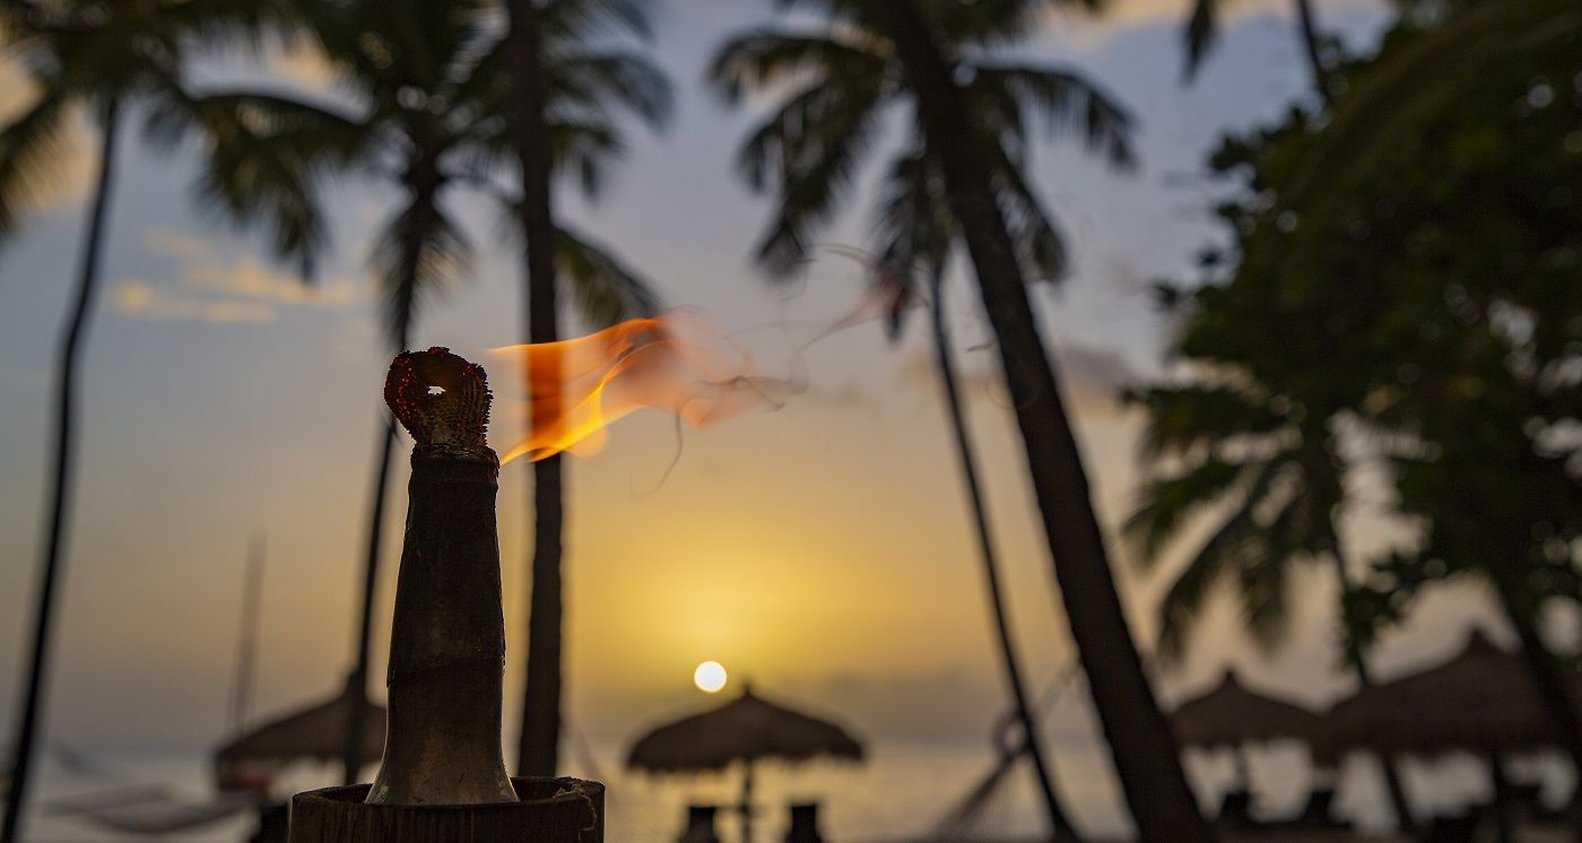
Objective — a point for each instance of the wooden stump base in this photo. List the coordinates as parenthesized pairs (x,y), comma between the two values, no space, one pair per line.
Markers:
(562,810)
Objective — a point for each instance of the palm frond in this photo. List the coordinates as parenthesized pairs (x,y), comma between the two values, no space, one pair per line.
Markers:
(31,156)
(1182,605)
(579,19)
(911,220)
(419,251)
(1169,502)
(1066,99)
(1186,416)
(627,79)
(1263,572)
(816,142)
(581,147)
(1199,35)
(1398,97)
(761,58)
(263,158)
(606,289)
(914,230)
(1040,248)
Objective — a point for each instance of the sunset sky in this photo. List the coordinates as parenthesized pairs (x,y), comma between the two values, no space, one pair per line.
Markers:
(820,550)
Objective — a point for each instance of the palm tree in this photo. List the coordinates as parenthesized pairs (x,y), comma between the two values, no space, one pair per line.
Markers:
(878,53)
(916,232)
(1403,96)
(557,77)
(1420,82)
(1276,465)
(99,56)
(1202,30)
(434,83)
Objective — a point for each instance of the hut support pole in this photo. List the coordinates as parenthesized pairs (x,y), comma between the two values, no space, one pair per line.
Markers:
(1243,768)
(1502,799)
(1389,763)
(747,801)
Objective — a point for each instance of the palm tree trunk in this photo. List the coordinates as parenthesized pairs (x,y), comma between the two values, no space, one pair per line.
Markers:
(539,745)
(1144,748)
(1058,820)
(1551,683)
(357,683)
(1146,755)
(422,181)
(1389,763)
(1308,27)
(1504,822)
(67,364)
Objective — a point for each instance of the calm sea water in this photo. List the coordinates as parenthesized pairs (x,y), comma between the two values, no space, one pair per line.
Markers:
(902,790)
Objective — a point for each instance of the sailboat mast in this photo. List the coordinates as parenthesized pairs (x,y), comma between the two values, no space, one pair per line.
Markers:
(247,647)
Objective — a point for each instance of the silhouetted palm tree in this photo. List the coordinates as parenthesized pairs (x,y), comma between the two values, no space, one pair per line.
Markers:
(881,53)
(1398,99)
(559,75)
(917,235)
(96,56)
(432,84)
(1277,465)
(1202,30)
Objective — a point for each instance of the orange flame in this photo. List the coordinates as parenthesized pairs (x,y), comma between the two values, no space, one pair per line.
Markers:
(577,388)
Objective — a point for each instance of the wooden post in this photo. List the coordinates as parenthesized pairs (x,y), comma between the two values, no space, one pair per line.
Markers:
(746,806)
(551,811)
(443,777)
(1504,820)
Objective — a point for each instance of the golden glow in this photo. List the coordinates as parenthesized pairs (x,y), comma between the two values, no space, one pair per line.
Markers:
(709,677)
(577,388)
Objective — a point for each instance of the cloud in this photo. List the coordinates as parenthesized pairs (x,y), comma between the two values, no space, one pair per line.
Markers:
(143,300)
(240,291)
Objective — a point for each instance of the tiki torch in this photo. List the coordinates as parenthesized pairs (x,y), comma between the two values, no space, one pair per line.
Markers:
(443,776)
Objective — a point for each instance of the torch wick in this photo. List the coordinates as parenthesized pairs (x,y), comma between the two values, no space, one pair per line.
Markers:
(440,398)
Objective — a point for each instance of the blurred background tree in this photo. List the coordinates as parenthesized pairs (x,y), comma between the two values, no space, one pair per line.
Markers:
(100,57)
(1400,284)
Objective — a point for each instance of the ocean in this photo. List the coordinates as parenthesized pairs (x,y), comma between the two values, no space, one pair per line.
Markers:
(903,789)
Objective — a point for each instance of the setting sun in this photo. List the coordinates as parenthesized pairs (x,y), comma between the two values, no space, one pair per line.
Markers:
(709,677)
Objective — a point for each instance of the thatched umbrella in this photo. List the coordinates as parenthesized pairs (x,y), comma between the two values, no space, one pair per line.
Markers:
(317,732)
(1231,716)
(1482,700)
(746,729)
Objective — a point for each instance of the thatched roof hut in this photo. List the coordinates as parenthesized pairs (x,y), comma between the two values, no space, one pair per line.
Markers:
(1230,715)
(317,732)
(1483,699)
(748,728)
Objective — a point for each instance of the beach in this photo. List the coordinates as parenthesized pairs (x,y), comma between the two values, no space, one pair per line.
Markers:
(898,794)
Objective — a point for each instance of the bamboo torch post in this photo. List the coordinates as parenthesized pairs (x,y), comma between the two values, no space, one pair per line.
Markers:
(443,777)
